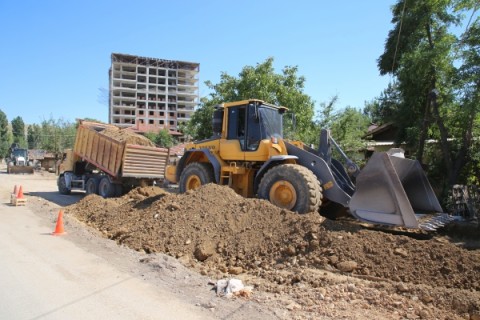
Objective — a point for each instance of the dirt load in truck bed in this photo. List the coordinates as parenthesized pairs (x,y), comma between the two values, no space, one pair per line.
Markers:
(312,267)
(128,136)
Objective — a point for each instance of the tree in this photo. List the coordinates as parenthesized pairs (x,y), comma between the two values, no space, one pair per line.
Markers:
(385,108)
(4,137)
(18,131)
(33,136)
(346,126)
(258,82)
(57,135)
(200,125)
(162,138)
(418,53)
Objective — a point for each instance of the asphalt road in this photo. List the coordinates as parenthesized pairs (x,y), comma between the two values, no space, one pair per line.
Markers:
(50,277)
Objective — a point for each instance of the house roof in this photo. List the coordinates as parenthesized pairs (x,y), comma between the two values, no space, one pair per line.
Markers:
(375,129)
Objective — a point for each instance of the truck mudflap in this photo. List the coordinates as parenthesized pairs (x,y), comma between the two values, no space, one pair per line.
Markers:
(20,169)
(391,190)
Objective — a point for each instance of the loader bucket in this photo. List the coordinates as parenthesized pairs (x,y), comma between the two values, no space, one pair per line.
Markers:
(391,190)
(20,169)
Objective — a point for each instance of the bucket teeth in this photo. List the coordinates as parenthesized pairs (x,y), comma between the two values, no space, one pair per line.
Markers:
(437,221)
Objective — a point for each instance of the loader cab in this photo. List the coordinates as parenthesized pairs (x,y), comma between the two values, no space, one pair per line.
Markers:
(249,122)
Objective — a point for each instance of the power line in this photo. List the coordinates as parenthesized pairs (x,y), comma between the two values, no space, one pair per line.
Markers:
(398,36)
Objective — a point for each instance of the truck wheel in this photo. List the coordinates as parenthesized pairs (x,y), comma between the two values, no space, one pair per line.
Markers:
(106,188)
(292,187)
(62,186)
(196,175)
(91,187)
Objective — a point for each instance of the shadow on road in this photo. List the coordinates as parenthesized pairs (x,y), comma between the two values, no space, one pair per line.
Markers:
(59,199)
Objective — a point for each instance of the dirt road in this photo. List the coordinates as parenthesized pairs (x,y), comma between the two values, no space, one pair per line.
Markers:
(301,266)
(83,276)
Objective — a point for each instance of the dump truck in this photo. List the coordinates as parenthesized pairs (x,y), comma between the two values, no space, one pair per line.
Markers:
(17,160)
(248,153)
(108,166)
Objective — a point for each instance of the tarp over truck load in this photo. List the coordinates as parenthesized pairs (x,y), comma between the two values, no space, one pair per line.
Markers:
(118,158)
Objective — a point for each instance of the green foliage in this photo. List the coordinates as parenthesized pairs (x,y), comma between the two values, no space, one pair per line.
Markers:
(4,135)
(347,127)
(18,131)
(33,136)
(414,22)
(435,95)
(258,82)
(162,138)
(200,125)
(54,135)
(384,108)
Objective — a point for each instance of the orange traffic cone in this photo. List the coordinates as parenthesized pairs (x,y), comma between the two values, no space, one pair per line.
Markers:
(15,190)
(59,227)
(20,193)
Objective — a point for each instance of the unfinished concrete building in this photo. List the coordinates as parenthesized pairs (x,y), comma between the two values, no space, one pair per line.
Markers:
(150,94)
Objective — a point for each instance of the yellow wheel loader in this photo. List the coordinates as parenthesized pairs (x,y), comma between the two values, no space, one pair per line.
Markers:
(247,152)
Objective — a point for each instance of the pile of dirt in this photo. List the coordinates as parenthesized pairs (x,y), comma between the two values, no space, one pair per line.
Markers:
(220,233)
(127,135)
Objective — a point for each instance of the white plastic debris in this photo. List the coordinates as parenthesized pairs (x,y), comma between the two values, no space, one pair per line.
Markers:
(232,287)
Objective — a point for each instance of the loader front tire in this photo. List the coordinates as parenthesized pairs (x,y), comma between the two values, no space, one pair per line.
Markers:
(196,175)
(292,187)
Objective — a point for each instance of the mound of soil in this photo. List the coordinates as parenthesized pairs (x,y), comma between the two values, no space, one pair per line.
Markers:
(295,257)
(127,135)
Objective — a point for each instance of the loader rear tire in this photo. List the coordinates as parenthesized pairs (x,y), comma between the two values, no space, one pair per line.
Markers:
(106,188)
(292,187)
(196,175)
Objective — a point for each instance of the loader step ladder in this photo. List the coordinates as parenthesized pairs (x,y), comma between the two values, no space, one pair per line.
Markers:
(226,175)
(228,171)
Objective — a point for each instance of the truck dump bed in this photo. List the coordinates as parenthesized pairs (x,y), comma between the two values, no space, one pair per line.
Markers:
(144,162)
(118,158)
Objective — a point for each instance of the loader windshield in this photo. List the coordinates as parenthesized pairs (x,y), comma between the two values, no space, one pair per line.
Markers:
(270,122)
(252,123)
(19,153)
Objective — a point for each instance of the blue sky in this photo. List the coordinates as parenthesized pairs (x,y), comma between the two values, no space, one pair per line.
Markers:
(55,55)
